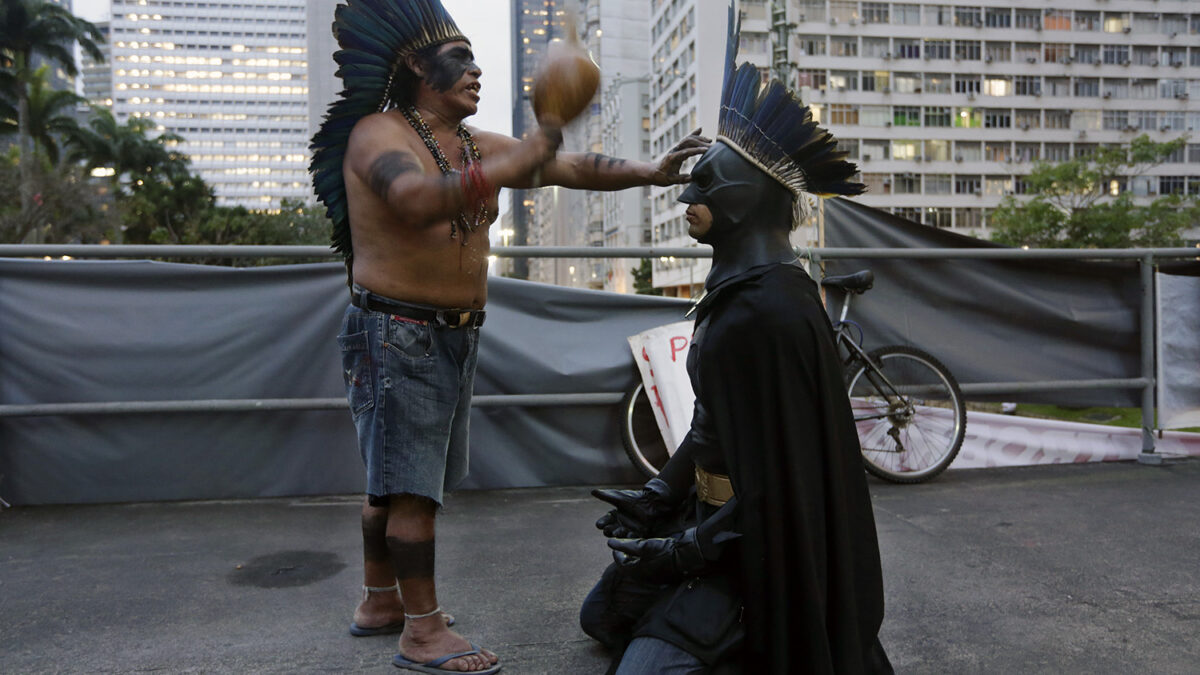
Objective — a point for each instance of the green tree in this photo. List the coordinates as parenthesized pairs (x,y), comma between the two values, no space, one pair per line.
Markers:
(51,116)
(643,279)
(29,27)
(1086,202)
(127,149)
(68,206)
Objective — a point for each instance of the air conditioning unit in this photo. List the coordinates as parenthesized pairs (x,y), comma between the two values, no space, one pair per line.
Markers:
(1176,64)
(841,89)
(887,181)
(958,158)
(833,21)
(1083,134)
(1096,63)
(1108,94)
(1038,28)
(1124,62)
(1008,160)
(978,191)
(866,158)
(1126,29)
(928,158)
(928,56)
(1181,95)
(987,59)
(886,90)
(1025,126)
(1174,34)
(1154,62)
(971,96)
(916,90)
(887,55)
(887,124)
(1030,59)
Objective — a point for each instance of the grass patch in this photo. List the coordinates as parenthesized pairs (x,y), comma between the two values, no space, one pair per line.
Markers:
(1117,417)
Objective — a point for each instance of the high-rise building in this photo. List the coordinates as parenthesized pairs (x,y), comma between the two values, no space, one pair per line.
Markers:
(231,78)
(96,77)
(687,61)
(535,23)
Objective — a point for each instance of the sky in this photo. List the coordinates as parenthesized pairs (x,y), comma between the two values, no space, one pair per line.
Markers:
(485,22)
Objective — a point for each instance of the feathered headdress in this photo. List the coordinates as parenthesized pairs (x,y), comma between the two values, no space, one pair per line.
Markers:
(772,129)
(374,36)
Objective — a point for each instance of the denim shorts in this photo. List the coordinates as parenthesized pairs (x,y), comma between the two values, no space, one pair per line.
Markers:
(409,386)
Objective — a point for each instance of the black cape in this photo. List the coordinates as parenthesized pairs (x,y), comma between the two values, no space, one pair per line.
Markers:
(772,385)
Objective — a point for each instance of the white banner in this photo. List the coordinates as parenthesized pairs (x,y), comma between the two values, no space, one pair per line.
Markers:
(661,355)
(992,440)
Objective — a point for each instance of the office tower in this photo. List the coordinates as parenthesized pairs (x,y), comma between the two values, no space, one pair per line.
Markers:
(231,78)
(535,23)
(97,77)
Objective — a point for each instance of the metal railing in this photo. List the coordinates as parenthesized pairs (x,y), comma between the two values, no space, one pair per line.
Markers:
(1146,257)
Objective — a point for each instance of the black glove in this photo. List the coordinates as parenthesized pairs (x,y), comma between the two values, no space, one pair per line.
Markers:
(663,560)
(638,511)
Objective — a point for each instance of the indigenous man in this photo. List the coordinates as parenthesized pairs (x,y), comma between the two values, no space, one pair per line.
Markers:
(775,568)
(411,191)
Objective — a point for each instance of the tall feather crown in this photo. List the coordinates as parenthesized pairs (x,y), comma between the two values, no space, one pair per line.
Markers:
(772,129)
(374,36)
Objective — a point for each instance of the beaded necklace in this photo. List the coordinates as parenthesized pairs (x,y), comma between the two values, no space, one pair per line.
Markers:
(470,153)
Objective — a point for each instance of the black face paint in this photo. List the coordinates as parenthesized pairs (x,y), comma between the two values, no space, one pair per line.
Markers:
(411,559)
(446,68)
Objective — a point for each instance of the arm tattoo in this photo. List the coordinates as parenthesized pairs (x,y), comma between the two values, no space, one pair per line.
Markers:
(387,168)
(411,559)
(610,162)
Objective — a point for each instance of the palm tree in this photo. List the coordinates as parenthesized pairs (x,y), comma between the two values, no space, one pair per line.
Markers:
(127,148)
(29,27)
(47,122)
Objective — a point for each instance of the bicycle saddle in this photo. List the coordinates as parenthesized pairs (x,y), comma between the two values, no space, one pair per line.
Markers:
(858,283)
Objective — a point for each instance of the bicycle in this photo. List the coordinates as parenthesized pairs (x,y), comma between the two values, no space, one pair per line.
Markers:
(908,407)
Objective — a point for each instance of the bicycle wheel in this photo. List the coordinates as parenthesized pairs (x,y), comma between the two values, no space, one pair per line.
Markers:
(909,412)
(639,433)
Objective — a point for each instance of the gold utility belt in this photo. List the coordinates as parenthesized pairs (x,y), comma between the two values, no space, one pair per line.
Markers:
(713,488)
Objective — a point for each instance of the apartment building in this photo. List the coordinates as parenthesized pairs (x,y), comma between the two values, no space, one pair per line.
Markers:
(231,78)
(944,107)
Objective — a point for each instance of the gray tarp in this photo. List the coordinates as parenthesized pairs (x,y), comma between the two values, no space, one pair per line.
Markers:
(1178,351)
(84,331)
(995,320)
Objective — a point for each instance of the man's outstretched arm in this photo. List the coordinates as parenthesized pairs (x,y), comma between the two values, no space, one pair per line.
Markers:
(594,171)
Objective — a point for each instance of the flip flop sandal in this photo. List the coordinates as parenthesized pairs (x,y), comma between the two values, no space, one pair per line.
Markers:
(434,666)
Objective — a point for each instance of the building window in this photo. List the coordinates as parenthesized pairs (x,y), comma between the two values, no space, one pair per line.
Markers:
(876,149)
(1087,53)
(937,150)
(908,184)
(1145,56)
(1027,85)
(966,84)
(1115,88)
(968,150)
(968,16)
(1145,119)
(875,12)
(998,186)
(1145,23)
(849,145)
(906,116)
(937,116)
(1172,185)
(1193,153)
(906,83)
(1116,54)
(812,45)
(1027,52)
(817,79)
(1116,22)
(967,185)
(938,184)
(906,149)
(875,80)
(844,46)
(998,17)
(968,218)
(937,83)
(1026,152)
(1115,120)
(1029,119)
(968,118)
(843,113)
(1056,52)
(1084,150)
(1058,19)
(876,47)
(1087,21)
(967,50)
(1058,152)
(874,116)
(907,48)
(1058,86)
(938,216)
(1030,19)
(811,10)
(843,80)
(997,85)
(1087,87)
(998,51)
(1177,24)
(996,151)
(937,49)
(878,183)
(937,15)
(906,14)
(843,10)
(912,213)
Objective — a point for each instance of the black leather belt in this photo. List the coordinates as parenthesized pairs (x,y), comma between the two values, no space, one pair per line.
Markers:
(444,318)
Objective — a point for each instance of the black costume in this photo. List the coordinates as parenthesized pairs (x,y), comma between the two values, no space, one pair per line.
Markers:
(784,574)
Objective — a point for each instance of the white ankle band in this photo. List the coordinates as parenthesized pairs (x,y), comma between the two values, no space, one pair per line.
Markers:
(426,615)
(381,589)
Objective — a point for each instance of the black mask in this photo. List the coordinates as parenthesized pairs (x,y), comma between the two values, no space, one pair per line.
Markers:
(751,212)
(739,194)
